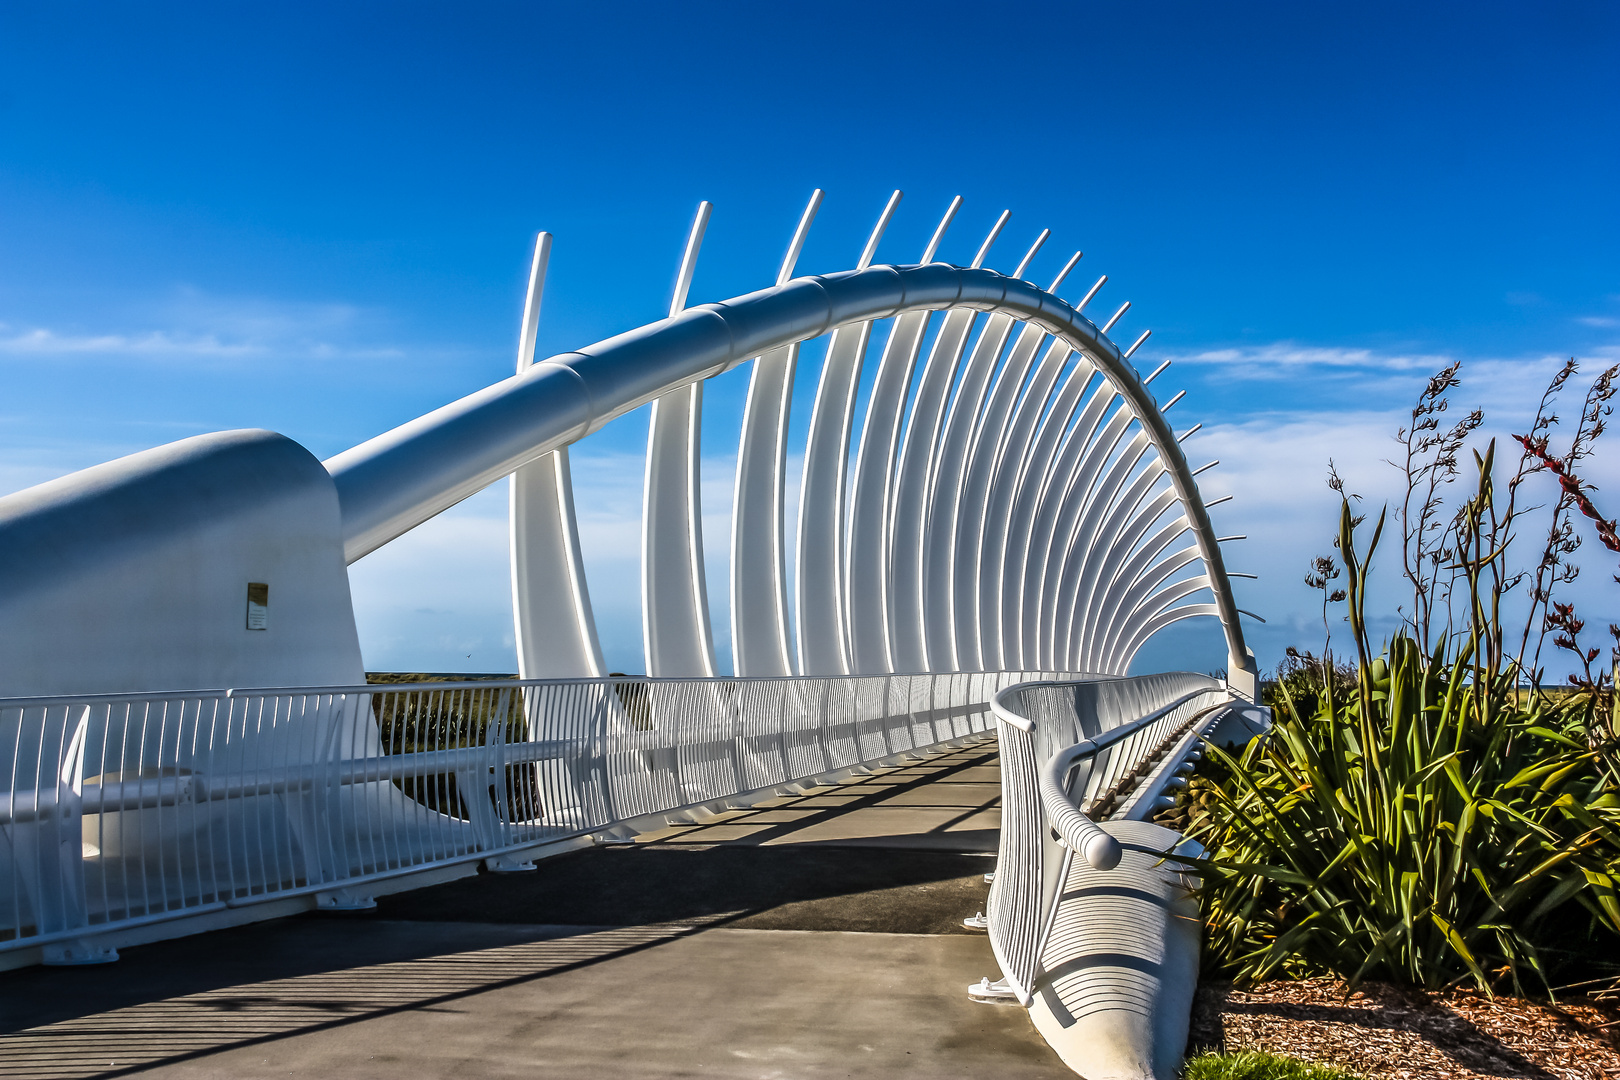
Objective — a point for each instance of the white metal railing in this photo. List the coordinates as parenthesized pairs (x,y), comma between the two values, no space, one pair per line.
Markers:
(124,810)
(1072,753)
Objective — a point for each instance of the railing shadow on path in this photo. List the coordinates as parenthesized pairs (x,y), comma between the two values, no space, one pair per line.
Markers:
(431,950)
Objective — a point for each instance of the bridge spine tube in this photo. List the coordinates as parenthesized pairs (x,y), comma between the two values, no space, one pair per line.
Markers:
(674,594)
(1031,483)
(553,628)
(760,639)
(821,612)
(395,481)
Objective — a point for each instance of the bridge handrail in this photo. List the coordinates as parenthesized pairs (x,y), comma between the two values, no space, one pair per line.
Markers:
(1049,813)
(1068,820)
(118,811)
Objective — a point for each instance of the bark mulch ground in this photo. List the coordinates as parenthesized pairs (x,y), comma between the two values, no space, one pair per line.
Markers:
(1386,1031)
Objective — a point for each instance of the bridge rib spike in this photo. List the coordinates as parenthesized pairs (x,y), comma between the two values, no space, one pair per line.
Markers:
(939,234)
(1074,260)
(870,251)
(1137,344)
(995,231)
(1029,256)
(1160,370)
(1166,406)
(1091,294)
(1123,308)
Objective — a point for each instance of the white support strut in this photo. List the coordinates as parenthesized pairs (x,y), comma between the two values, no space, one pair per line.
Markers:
(760,641)
(674,594)
(554,629)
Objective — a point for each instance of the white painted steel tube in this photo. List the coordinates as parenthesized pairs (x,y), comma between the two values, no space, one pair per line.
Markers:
(397,480)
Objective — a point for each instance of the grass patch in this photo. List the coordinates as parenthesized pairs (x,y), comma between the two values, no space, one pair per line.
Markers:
(1258,1065)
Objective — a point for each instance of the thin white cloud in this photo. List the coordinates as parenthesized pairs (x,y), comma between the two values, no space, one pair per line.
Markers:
(190,325)
(1286,359)
(43,342)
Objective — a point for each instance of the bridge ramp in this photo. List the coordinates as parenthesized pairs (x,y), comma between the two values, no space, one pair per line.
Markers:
(812,935)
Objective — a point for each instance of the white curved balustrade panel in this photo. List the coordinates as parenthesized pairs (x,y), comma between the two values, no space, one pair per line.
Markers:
(1072,752)
(127,811)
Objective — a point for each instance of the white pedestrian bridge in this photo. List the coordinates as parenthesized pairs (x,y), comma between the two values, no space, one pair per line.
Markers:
(189,740)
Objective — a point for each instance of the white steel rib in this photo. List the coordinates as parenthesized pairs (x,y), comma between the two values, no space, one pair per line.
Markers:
(1031,485)
(393,482)
(1111,628)
(1127,562)
(1100,561)
(1114,494)
(1003,473)
(819,581)
(1080,493)
(760,641)
(907,637)
(978,466)
(873,490)
(1052,498)
(674,593)
(551,605)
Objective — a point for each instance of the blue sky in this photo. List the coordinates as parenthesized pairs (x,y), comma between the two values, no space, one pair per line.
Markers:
(318,218)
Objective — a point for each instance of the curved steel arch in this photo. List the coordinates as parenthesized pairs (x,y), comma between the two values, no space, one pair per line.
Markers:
(946,514)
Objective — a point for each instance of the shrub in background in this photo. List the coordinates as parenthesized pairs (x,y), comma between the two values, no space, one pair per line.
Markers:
(1430,814)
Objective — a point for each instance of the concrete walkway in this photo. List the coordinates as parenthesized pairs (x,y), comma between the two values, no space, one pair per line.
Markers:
(814,936)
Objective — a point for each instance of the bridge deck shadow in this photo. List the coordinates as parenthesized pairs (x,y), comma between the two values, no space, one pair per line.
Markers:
(812,935)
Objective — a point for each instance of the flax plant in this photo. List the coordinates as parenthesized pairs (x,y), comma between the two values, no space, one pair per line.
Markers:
(1431,823)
